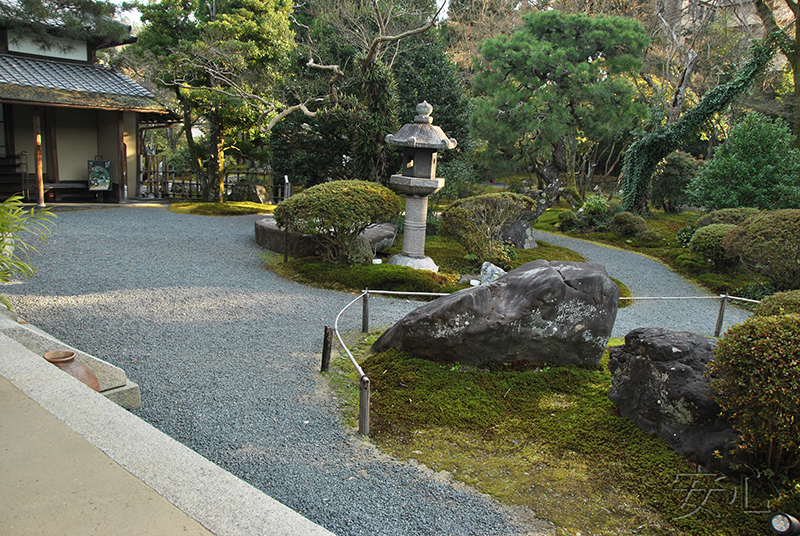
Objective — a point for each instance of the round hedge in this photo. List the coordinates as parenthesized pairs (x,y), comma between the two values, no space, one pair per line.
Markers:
(629,224)
(336,213)
(780,303)
(477,222)
(756,371)
(708,242)
(769,244)
(567,220)
(734,216)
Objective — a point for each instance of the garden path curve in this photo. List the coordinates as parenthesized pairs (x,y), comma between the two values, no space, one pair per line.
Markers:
(646,277)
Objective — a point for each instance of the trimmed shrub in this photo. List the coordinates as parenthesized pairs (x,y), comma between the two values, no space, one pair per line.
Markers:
(708,243)
(671,177)
(594,215)
(734,216)
(756,371)
(769,244)
(336,213)
(779,304)
(629,224)
(477,222)
(595,205)
(567,220)
(756,167)
(649,235)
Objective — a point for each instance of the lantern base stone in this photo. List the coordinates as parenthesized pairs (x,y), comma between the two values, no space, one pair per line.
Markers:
(418,263)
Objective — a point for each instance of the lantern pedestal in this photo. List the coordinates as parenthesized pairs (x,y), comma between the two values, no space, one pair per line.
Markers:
(417,191)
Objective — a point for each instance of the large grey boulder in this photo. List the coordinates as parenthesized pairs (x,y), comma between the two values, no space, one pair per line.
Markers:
(659,383)
(543,312)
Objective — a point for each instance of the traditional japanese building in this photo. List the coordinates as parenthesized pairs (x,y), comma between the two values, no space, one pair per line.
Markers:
(81,117)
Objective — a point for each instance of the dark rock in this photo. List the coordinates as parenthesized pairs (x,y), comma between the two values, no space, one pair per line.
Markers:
(247,191)
(543,312)
(270,237)
(379,237)
(659,383)
(519,234)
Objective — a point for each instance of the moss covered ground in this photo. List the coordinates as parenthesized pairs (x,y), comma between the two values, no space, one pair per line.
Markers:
(546,439)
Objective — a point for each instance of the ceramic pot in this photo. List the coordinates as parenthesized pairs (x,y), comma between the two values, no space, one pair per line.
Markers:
(65,360)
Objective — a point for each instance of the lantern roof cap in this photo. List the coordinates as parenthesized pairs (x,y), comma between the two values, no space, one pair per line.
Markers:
(422,133)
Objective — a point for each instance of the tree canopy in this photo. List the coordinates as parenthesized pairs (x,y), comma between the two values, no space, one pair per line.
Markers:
(561,80)
(82,20)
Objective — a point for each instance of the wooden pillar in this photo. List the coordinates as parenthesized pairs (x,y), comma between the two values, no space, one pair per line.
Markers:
(37,136)
(52,146)
(122,158)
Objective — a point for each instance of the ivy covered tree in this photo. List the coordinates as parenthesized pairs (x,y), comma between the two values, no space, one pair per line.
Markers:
(645,153)
(559,81)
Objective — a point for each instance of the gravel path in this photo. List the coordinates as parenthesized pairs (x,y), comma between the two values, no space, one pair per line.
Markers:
(227,356)
(649,278)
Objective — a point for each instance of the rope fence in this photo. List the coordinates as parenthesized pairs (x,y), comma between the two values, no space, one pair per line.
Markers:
(364,382)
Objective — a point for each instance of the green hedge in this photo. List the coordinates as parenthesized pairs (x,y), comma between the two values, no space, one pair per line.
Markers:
(708,242)
(477,222)
(780,303)
(733,216)
(629,224)
(756,367)
(336,213)
(769,244)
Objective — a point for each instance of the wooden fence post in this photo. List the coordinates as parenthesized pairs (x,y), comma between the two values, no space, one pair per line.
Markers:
(363,406)
(327,342)
(721,315)
(365,312)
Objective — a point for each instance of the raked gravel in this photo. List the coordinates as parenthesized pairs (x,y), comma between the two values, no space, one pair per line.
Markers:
(227,355)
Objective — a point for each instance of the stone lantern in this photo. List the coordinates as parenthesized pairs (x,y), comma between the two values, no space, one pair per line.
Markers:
(420,141)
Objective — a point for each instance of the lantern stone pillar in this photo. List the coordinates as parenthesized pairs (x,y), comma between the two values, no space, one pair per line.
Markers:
(420,141)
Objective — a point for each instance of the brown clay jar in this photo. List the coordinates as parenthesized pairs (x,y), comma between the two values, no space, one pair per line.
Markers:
(65,360)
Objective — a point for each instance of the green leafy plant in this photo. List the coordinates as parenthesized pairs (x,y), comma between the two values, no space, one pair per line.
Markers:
(756,367)
(779,304)
(477,222)
(336,213)
(768,244)
(708,243)
(15,222)
(756,167)
(683,236)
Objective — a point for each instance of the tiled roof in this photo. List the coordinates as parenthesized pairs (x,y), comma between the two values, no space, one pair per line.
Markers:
(39,73)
